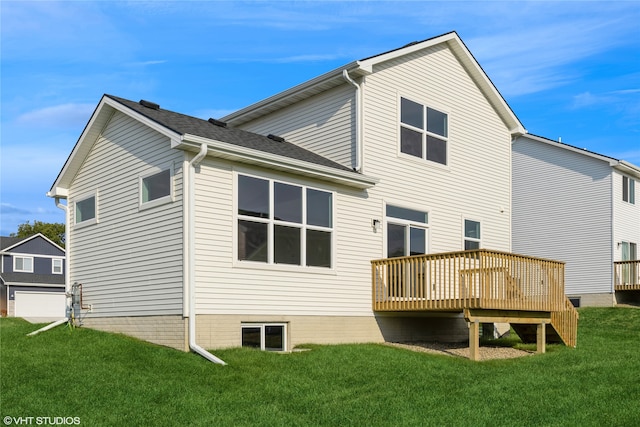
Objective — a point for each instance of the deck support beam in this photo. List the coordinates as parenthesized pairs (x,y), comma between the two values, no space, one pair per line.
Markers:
(474,340)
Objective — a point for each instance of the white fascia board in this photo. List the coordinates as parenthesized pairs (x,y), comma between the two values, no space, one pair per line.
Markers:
(99,119)
(26,239)
(36,284)
(628,168)
(236,117)
(274,161)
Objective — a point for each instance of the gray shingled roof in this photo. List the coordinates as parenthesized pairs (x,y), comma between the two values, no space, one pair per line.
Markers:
(6,242)
(183,124)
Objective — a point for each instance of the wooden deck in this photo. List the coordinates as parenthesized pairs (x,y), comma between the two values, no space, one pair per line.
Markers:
(627,275)
(488,286)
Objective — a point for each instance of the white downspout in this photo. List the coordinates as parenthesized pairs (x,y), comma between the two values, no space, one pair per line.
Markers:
(189,249)
(358,154)
(66,274)
(67,263)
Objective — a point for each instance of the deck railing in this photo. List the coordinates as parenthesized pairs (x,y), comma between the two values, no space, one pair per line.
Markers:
(468,279)
(627,275)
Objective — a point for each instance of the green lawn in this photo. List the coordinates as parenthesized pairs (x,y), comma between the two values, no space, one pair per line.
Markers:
(107,379)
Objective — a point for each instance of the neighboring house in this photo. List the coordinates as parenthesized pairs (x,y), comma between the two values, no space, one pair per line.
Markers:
(32,278)
(580,207)
(269,240)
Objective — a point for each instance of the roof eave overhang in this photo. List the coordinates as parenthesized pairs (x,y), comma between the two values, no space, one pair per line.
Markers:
(297,93)
(234,153)
(366,66)
(628,168)
(99,119)
(619,165)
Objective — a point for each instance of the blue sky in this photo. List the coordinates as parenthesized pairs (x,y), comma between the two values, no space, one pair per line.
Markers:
(568,69)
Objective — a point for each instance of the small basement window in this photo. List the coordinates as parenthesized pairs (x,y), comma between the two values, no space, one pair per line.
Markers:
(575,301)
(267,336)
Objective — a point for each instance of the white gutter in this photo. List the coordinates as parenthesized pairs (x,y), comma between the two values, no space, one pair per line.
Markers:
(189,259)
(67,245)
(274,161)
(358,154)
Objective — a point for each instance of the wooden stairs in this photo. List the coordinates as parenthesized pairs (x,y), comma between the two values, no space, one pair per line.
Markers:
(563,327)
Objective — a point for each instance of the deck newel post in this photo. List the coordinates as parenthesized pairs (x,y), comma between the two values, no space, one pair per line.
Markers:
(474,340)
(541,338)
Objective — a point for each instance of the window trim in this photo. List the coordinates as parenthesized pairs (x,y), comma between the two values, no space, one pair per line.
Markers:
(81,198)
(142,205)
(271,223)
(22,270)
(424,132)
(53,267)
(470,239)
(262,326)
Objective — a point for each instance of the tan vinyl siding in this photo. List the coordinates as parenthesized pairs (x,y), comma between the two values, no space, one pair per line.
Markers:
(562,210)
(626,215)
(322,124)
(225,286)
(130,262)
(475,184)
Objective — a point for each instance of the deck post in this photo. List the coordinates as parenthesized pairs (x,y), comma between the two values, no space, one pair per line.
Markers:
(541,338)
(474,340)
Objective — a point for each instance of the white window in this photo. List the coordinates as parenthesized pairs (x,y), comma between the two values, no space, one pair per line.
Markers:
(56,266)
(423,131)
(628,190)
(471,235)
(407,232)
(267,336)
(86,210)
(156,188)
(281,223)
(23,264)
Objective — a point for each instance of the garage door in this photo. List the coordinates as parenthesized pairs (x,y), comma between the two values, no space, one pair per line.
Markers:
(39,304)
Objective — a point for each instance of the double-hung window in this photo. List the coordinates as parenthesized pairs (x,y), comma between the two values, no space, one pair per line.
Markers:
(471,235)
(423,131)
(56,265)
(282,223)
(23,264)
(628,190)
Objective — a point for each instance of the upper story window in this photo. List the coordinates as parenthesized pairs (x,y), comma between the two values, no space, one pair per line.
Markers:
(56,266)
(423,131)
(23,264)
(628,190)
(85,210)
(471,235)
(281,223)
(156,188)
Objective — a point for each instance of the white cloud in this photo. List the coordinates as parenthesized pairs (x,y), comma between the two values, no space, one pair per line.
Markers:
(62,115)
